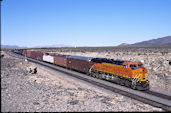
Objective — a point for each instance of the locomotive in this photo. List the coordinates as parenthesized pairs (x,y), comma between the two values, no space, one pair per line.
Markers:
(128,73)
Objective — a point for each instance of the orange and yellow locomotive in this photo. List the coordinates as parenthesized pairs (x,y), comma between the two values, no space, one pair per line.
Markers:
(130,74)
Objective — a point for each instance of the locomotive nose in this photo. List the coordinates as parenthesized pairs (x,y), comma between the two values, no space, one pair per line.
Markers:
(142,70)
(144,76)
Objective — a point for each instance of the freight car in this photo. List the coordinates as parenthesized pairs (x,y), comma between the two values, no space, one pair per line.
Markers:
(61,60)
(80,63)
(27,53)
(34,54)
(18,51)
(128,73)
(48,58)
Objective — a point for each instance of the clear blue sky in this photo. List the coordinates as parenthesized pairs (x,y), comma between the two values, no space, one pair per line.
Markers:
(83,22)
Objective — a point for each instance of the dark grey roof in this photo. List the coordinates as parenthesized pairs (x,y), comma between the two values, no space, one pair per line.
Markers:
(81,57)
(61,55)
(105,60)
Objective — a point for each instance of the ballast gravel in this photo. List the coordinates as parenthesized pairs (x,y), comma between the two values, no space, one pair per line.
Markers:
(50,91)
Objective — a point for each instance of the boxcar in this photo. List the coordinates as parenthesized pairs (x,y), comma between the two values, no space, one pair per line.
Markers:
(34,54)
(27,53)
(80,63)
(37,55)
(61,60)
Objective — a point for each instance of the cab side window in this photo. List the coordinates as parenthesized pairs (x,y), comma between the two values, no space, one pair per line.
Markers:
(140,66)
(133,66)
(125,66)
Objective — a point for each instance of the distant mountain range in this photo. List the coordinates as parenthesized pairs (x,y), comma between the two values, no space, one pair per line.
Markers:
(48,46)
(11,46)
(53,46)
(163,41)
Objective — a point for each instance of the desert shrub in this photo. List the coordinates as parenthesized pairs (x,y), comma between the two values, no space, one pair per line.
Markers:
(2,56)
(169,62)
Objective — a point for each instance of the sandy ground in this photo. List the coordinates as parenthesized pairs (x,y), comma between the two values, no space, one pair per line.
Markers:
(51,91)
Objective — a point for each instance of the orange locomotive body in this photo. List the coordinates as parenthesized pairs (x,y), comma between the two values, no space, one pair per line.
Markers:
(116,70)
(131,74)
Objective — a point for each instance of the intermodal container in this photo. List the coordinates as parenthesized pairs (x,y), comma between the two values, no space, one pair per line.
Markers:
(48,58)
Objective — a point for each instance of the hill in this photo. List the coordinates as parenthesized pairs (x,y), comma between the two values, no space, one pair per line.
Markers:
(10,46)
(155,42)
(163,41)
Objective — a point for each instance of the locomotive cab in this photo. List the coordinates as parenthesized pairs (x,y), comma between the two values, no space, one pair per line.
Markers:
(138,70)
(138,75)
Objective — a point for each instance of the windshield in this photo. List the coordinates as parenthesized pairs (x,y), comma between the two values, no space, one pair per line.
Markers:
(140,65)
(133,66)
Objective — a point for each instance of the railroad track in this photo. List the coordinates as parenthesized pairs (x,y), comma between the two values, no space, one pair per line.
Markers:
(149,97)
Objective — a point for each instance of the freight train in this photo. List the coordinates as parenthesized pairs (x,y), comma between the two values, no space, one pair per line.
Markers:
(126,73)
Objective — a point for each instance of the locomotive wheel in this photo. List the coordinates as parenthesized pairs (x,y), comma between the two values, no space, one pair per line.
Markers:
(133,86)
(100,76)
(90,74)
(127,83)
(122,82)
(93,75)
(97,76)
